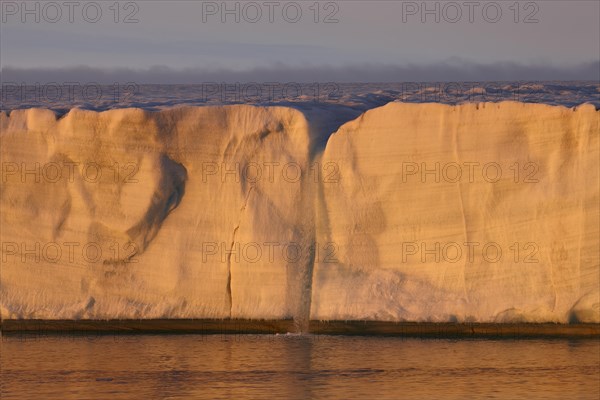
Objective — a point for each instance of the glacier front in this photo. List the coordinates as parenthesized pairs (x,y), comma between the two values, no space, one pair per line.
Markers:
(482,212)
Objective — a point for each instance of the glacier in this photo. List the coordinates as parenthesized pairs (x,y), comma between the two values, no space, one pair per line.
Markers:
(484,212)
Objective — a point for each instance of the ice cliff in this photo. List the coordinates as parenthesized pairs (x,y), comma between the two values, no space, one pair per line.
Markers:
(420,212)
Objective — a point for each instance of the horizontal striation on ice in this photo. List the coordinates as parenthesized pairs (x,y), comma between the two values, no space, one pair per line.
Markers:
(136,214)
(479,212)
(144,240)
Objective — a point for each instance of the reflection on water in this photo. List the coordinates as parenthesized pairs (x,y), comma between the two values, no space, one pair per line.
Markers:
(295,367)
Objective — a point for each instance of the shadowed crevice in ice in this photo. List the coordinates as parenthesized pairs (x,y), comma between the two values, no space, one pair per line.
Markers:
(326,120)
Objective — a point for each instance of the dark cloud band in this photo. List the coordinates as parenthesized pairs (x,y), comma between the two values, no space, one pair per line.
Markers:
(447,71)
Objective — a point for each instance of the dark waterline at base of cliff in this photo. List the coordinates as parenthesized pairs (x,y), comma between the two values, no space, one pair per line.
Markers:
(352,328)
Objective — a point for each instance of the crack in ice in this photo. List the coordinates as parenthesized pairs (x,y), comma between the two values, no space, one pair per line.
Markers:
(229,291)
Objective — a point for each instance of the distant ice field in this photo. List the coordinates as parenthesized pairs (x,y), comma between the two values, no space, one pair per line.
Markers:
(61,97)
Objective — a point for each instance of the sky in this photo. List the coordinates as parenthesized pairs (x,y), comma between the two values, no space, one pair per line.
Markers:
(158,41)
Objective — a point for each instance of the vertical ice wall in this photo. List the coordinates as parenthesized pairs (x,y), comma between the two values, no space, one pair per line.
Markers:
(125,252)
(485,212)
(218,212)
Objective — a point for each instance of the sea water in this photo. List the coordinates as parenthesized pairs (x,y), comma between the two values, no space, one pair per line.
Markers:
(242,367)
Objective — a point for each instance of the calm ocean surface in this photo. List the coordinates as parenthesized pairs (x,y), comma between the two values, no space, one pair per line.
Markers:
(295,367)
